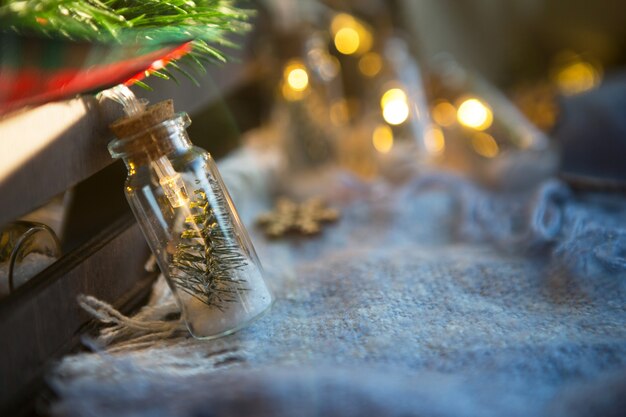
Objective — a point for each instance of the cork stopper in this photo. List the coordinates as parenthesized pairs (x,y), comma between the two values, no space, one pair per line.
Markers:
(152,116)
(148,141)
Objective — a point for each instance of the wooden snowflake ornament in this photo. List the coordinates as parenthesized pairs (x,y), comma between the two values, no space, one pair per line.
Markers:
(290,217)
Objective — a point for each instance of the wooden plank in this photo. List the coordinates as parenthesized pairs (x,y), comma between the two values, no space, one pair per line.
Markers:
(46,150)
(42,319)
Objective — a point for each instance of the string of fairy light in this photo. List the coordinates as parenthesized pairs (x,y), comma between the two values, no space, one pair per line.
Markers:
(571,74)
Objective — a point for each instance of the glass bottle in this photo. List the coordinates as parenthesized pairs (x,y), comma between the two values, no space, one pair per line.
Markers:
(190,222)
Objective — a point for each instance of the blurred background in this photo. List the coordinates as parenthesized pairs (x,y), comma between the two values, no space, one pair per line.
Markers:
(487,84)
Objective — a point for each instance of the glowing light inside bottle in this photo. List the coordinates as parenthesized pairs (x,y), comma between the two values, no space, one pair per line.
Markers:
(171,182)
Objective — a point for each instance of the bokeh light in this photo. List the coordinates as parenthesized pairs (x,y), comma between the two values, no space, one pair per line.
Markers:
(485,145)
(347,41)
(382,138)
(395,106)
(444,113)
(434,141)
(295,81)
(370,64)
(350,35)
(297,76)
(391,95)
(577,77)
(475,114)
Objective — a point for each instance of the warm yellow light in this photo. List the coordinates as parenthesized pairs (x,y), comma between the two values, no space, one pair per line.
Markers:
(396,112)
(475,114)
(434,141)
(391,95)
(298,79)
(395,106)
(297,76)
(382,138)
(577,78)
(341,20)
(350,35)
(365,39)
(290,94)
(174,189)
(370,64)
(171,182)
(444,113)
(485,145)
(295,81)
(347,41)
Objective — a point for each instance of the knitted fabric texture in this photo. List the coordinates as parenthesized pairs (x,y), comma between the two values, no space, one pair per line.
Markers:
(434,298)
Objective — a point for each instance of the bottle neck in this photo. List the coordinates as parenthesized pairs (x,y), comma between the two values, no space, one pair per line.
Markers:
(149,145)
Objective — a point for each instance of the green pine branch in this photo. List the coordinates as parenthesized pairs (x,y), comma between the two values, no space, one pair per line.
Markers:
(206,258)
(109,20)
(208,23)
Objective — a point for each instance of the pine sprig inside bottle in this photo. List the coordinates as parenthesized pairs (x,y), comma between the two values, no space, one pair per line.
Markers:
(205,259)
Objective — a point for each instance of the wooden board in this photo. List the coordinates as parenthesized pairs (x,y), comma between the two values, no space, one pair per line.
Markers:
(46,150)
(42,321)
